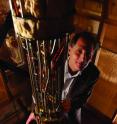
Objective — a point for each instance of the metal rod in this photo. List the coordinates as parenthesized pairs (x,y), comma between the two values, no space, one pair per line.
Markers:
(35,75)
(39,71)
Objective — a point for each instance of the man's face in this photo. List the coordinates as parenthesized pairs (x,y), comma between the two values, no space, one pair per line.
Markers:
(79,55)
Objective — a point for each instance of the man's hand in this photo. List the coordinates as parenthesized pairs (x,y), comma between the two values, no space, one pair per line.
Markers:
(66,104)
(31,118)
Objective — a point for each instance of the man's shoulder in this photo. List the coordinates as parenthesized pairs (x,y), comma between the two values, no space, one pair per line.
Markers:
(92,71)
(91,67)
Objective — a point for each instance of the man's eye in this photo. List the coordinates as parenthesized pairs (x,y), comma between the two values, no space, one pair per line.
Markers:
(77,54)
(79,51)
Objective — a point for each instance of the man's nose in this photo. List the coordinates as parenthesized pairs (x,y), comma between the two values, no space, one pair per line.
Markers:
(82,57)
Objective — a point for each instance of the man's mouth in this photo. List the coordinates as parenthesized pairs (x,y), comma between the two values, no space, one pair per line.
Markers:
(79,65)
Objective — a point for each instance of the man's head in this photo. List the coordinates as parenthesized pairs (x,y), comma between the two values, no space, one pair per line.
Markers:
(80,50)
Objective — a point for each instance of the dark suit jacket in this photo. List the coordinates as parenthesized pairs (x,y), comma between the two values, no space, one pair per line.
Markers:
(81,89)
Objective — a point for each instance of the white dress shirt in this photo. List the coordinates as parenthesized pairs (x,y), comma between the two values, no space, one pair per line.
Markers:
(68,79)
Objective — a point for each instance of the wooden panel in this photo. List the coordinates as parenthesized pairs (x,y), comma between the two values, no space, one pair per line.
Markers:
(109,39)
(89,6)
(4,53)
(3,93)
(4,8)
(86,24)
(104,96)
(113,9)
(107,64)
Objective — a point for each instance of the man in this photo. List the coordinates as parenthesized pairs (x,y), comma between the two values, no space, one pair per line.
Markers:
(79,77)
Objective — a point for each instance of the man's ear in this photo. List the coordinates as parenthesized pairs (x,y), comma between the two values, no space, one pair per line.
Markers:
(69,48)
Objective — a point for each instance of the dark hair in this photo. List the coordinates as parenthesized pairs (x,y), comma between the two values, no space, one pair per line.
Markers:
(88,37)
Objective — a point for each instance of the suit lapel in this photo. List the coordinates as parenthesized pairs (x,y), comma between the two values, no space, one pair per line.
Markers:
(76,85)
(79,85)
